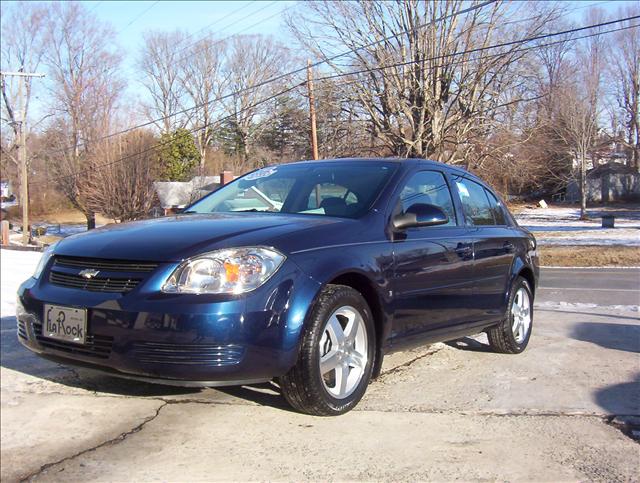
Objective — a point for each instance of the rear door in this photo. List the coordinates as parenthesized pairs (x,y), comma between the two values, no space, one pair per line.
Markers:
(432,284)
(493,246)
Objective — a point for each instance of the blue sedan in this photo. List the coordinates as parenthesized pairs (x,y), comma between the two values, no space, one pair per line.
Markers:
(307,273)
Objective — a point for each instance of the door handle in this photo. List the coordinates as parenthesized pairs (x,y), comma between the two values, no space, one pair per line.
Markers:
(508,247)
(464,251)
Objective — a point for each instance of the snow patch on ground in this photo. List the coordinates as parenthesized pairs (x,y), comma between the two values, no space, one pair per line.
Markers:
(63,230)
(15,268)
(585,306)
(561,226)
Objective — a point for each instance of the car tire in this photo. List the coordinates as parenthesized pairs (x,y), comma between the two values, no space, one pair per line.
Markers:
(305,386)
(513,334)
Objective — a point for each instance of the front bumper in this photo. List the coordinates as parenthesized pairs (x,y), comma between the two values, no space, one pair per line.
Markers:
(197,340)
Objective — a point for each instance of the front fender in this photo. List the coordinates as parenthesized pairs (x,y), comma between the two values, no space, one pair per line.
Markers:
(359,268)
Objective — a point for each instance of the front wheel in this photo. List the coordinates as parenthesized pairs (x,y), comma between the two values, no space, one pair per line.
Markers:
(336,357)
(513,334)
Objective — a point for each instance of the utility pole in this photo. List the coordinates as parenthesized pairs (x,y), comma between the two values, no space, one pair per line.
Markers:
(312,112)
(22,151)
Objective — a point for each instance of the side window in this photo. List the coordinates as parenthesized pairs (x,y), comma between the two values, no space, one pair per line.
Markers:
(496,209)
(475,203)
(429,187)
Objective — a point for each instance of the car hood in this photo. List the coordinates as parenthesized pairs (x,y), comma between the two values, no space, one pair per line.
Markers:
(179,237)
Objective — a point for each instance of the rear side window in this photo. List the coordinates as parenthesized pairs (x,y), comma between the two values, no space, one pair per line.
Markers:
(429,187)
(475,203)
(496,208)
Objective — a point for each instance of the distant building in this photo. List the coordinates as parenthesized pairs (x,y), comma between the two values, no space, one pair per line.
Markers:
(608,182)
(6,190)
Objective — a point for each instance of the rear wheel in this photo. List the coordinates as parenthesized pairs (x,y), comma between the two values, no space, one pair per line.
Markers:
(513,334)
(336,358)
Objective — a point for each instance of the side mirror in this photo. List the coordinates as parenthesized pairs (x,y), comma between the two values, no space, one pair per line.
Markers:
(420,214)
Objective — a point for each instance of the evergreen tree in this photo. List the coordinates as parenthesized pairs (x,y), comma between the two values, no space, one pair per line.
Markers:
(178,155)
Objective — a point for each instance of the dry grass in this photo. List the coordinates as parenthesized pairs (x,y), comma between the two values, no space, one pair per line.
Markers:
(68,216)
(589,256)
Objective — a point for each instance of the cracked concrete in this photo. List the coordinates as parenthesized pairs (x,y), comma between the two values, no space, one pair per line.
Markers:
(44,429)
(119,438)
(449,411)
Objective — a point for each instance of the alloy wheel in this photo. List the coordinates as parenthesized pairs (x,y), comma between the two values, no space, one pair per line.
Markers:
(521,312)
(343,352)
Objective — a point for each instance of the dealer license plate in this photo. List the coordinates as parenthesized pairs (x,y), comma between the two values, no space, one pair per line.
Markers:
(65,323)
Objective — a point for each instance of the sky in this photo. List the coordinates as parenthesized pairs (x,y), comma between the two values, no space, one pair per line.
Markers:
(222,18)
(131,18)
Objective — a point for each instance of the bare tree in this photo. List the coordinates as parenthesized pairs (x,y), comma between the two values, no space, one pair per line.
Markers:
(23,33)
(84,70)
(161,67)
(203,82)
(427,85)
(250,61)
(625,70)
(122,189)
(582,105)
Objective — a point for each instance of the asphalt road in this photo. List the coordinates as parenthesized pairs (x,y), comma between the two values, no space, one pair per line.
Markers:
(601,286)
(444,412)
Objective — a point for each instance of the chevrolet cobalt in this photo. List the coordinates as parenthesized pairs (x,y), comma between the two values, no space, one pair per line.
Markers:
(306,273)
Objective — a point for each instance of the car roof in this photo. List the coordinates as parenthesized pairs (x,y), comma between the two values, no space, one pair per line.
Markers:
(411,162)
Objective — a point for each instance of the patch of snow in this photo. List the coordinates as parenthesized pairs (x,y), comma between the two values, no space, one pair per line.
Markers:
(15,267)
(561,226)
(582,306)
(7,204)
(63,230)
(606,237)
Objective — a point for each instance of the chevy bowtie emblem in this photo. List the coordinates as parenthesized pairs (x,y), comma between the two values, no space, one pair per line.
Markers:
(89,273)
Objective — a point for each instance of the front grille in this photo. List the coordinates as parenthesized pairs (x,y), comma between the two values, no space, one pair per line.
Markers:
(107,265)
(22,330)
(194,354)
(93,284)
(97,346)
(114,276)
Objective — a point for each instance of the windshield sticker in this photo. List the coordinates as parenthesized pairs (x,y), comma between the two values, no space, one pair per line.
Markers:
(462,189)
(261,173)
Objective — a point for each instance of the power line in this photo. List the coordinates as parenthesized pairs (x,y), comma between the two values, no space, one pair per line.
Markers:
(285,75)
(137,17)
(464,61)
(164,143)
(216,42)
(495,46)
(273,96)
(96,6)
(188,36)
(230,14)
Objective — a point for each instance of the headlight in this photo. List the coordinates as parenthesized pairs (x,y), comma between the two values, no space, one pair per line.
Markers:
(232,271)
(46,256)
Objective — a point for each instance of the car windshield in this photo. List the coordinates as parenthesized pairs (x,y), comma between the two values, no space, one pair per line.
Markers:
(332,189)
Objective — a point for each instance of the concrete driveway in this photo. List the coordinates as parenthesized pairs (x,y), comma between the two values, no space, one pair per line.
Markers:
(449,411)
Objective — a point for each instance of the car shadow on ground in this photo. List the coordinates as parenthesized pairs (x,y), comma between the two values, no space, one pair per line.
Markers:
(622,337)
(469,344)
(620,399)
(265,394)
